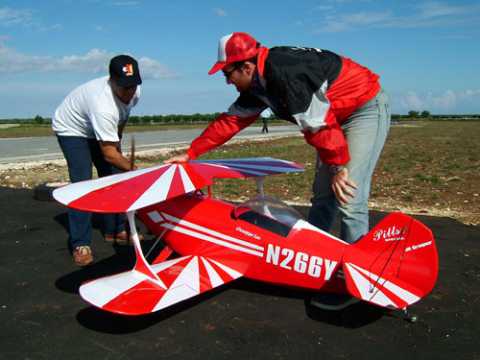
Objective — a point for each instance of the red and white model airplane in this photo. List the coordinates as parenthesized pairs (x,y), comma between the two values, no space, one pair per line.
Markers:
(392,266)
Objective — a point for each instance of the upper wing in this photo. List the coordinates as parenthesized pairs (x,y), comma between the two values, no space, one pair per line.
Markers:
(245,167)
(140,291)
(140,188)
(131,190)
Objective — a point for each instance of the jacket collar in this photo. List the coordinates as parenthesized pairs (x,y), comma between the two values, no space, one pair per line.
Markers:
(261,57)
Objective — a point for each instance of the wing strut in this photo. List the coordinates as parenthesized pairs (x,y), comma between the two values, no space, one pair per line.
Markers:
(141,264)
(260,181)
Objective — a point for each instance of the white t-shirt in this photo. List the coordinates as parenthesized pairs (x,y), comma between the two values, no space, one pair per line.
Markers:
(92,111)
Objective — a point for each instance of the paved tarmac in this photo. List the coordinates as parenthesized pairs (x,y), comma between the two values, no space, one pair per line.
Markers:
(42,317)
(15,150)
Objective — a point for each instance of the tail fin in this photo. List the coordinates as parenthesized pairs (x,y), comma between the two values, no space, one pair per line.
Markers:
(394,265)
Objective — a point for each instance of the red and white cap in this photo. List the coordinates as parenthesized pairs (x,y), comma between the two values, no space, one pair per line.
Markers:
(234,47)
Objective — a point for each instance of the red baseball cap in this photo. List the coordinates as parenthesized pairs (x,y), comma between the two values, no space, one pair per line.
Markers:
(234,47)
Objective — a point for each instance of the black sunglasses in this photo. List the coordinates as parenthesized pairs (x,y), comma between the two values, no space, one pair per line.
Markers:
(227,74)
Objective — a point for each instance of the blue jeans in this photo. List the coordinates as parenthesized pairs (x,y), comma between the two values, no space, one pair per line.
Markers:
(365,130)
(80,153)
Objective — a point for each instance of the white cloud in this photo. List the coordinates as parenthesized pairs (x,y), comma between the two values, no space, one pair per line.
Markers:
(9,16)
(428,14)
(324,7)
(448,101)
(435,9)
(220,12)
(412,101)
(351,21)
(49,27)
(24,17)
(152,69)
(94,61)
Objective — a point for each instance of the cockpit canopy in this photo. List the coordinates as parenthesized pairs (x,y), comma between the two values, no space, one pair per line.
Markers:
(268,213)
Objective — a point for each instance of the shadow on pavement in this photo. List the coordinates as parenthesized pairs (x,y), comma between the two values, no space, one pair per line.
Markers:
(105,322)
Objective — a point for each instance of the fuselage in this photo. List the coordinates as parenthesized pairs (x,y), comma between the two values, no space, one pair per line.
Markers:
(255,245)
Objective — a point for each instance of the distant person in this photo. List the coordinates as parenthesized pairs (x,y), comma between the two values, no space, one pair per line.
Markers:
(89,124)
(265,125)
(339,106)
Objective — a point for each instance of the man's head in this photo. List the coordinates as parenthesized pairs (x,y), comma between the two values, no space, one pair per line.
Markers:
(124,77)
(237,54)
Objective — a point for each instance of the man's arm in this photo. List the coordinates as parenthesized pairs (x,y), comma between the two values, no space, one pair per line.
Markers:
(222,129)
(330,142)
(112,155)
(332,149)
(121,126)
(108,132)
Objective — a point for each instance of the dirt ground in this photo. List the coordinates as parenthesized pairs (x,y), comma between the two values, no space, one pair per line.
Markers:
(430,168)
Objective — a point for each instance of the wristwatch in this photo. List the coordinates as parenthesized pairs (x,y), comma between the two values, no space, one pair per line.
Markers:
(335,169)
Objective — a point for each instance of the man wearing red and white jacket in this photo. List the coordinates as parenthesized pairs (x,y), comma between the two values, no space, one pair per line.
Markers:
(338,105)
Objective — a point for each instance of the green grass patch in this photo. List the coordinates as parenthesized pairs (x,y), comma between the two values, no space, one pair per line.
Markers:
(430,165)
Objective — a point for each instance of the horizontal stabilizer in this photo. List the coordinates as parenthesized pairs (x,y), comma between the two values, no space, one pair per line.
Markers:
(394,265)
(135,293)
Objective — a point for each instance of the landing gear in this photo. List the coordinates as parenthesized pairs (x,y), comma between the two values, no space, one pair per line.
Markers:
(407,316)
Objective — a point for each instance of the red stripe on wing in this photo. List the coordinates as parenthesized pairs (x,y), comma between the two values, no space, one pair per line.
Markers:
(119,196)
(223,274)
(205,283)
(197,175)
(176,186)
(140,299)
(169,274)
(210,172)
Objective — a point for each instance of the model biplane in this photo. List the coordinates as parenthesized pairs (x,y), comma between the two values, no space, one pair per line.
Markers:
(210,242)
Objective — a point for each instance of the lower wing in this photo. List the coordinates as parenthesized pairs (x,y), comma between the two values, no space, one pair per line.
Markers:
(146,290)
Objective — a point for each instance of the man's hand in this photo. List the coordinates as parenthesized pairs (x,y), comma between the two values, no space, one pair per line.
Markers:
(343,187)
(113,156)
(177,159)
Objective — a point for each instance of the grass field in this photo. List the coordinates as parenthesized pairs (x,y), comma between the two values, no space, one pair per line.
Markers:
(426,167)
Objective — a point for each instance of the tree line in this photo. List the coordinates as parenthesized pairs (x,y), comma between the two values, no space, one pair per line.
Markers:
(179,119)
(137,120)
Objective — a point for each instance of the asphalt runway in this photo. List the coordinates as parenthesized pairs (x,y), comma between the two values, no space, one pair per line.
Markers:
(42,317)
(42,148)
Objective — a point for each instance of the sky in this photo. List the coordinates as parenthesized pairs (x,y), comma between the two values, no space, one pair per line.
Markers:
(427,53)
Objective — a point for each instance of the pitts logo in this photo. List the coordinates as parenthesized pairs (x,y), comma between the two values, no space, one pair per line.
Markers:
(392,233)
(128,69)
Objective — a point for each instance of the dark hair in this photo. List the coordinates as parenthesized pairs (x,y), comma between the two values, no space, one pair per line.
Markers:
(239,64)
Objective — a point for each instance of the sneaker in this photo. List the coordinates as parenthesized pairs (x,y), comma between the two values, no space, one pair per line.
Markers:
(121,238)
(82,255)
(331,301)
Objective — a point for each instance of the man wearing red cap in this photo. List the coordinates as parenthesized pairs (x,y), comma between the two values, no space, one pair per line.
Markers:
(338,105)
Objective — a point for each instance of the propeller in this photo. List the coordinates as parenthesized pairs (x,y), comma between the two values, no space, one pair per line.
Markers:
(132,152)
